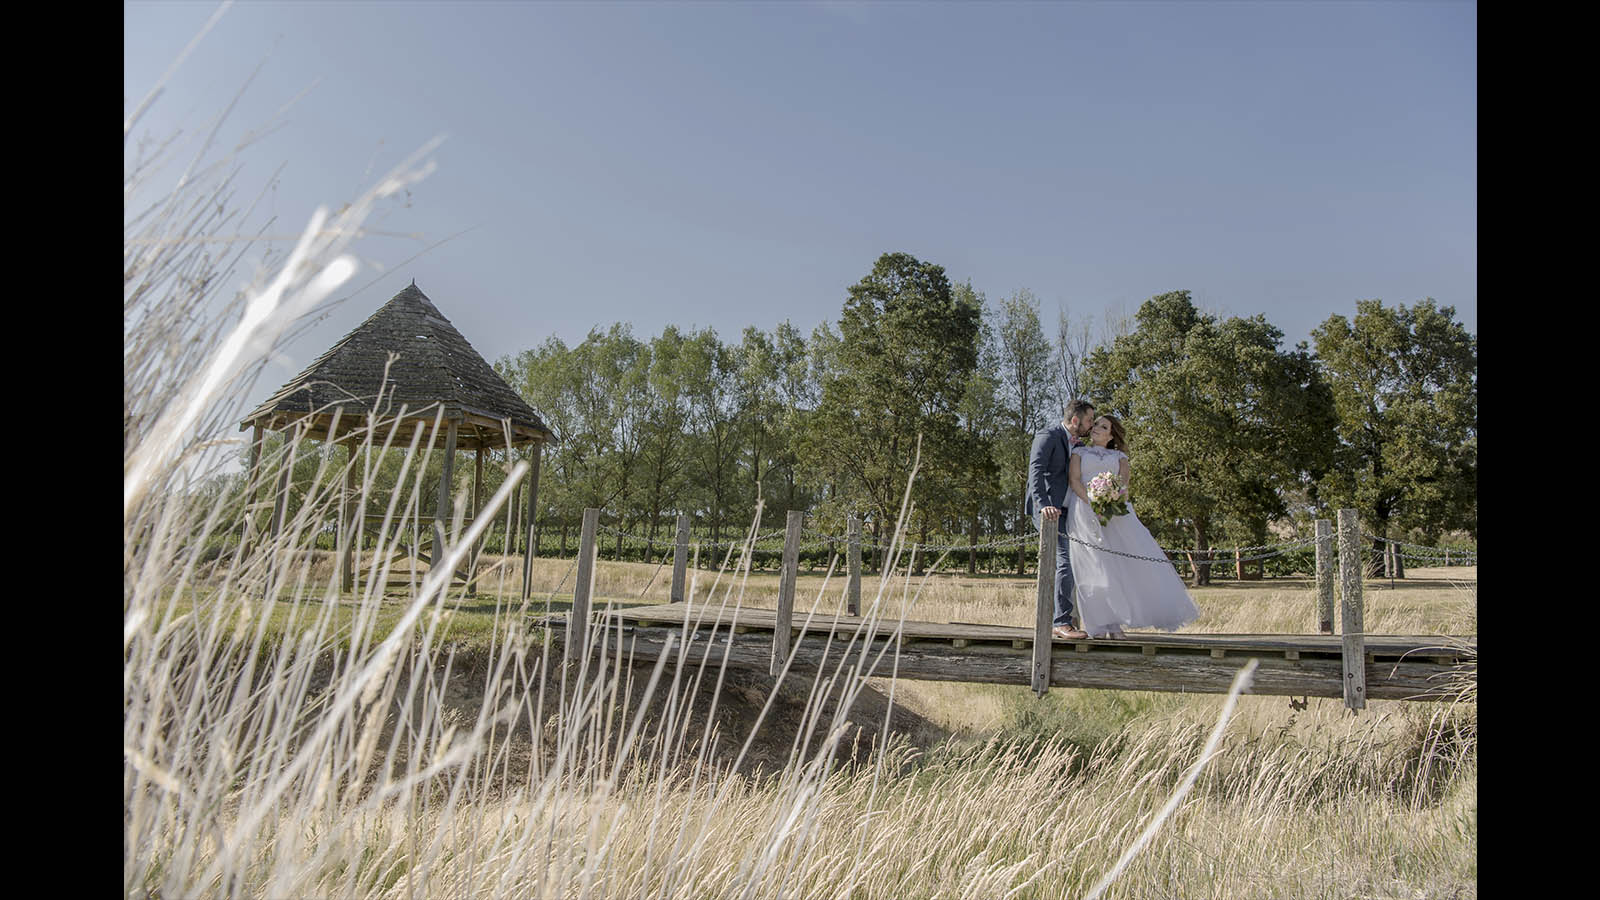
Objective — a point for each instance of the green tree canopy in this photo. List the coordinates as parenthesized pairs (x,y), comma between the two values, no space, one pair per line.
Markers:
(1220,421)
(907,347)
(1405,386)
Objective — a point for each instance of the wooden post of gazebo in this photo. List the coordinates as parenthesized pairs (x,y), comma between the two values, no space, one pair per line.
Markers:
(252,487)
(533,509)
(352,524)
(441,515)
(477,508)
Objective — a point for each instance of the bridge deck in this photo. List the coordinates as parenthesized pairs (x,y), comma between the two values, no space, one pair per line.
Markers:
(1412,667)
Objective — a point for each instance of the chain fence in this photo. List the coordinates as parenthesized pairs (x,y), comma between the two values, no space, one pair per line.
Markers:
(771,542)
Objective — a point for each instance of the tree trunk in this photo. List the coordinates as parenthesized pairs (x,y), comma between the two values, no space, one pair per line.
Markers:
(1022,548)
(972,542)
(1202,564)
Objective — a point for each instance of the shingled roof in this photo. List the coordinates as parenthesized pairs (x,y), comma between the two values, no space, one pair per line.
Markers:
(434,367)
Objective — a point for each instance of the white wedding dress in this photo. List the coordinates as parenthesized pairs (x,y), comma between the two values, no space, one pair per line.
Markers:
(1114,591)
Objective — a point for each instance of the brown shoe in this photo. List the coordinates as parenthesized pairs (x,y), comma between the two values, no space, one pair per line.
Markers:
(1063,633)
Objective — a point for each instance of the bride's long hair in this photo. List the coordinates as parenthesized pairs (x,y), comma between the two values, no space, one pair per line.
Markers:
(1119,438)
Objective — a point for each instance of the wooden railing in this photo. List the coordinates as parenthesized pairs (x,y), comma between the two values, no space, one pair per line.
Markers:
(1349,564)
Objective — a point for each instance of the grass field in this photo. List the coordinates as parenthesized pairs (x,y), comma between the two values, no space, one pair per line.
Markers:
(989,792)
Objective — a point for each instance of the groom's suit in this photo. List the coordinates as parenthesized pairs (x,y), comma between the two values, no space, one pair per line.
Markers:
(1048,486)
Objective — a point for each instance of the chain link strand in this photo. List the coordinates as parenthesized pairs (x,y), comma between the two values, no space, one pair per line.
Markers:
(1217,554)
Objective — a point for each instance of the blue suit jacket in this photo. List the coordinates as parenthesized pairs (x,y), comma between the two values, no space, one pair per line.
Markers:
(1047,470)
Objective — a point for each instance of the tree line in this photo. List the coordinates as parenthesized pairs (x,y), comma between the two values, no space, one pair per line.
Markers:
(1229,430)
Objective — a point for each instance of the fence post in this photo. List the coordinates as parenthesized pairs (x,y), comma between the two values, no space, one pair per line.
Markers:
(582,590)
(1325,576)
(791,566)
(853,561)
(680,559)
(1354,642)
(1046,612)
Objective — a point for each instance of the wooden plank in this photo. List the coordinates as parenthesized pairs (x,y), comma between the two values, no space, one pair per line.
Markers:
(1104,671)
(791,569)
(583,588)
(1354,655)
(1325,576)
(1275,644)
(680,559)
(1044,606)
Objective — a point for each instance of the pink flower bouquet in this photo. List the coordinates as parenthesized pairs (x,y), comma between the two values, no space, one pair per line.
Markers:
(1108,495)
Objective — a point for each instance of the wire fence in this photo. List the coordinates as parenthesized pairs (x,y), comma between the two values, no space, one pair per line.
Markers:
(771,543)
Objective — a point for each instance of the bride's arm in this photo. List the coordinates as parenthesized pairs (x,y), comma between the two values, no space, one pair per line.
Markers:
(1123,471)
(1075,477)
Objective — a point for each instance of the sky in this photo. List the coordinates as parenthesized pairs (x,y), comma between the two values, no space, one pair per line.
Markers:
(741,164)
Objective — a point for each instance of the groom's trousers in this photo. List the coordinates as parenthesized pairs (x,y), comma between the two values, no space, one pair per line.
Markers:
(1064,582)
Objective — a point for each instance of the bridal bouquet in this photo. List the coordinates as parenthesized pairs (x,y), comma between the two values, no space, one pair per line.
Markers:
(1108,495)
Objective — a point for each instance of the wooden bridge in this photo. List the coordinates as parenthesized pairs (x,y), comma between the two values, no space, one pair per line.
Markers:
(1352,665)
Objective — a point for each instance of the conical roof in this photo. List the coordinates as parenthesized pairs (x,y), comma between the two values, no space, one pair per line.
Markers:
(433,366)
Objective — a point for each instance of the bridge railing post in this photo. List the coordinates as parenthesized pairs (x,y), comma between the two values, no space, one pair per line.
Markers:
(853,562)
(582,590)
(791,567)
(680,559)
(1045,613)
(1353,645)
(1325,576)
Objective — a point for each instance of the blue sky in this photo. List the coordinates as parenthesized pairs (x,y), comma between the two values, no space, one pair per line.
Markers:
(727,164)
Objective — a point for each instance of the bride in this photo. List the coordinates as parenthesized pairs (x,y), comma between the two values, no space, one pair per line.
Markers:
(1115,591)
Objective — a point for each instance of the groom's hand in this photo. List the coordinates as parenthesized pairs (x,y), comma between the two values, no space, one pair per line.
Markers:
(1050,512)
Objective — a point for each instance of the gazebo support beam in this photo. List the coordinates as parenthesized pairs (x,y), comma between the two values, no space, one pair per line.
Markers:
(352,525)
(477,507)
(533,506)
(252,487)
(442,512)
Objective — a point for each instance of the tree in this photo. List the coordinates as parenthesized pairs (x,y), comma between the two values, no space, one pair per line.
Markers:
(1220,421)
(1405,387)
(709,381)
(907,346)
(664,455)
(981,418)
(1027,403)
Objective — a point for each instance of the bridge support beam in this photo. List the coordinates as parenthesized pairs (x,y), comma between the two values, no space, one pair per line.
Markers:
(1350,626)
(680,559)
(577,647)
(1324,576)
(852,591)
(791,569)
(1044,615)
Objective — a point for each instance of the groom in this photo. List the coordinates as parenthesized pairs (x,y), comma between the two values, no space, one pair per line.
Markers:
(1048,496)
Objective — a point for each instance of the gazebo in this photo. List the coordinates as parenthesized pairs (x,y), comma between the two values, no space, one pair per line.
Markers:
(406,367)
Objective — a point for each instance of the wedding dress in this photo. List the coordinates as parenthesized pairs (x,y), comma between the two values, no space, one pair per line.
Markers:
(1116,591)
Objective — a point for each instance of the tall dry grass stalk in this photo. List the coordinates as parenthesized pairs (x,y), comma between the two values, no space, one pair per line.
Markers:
(330,756)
